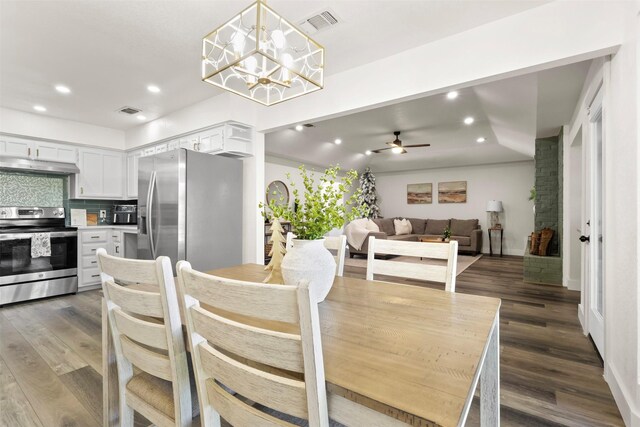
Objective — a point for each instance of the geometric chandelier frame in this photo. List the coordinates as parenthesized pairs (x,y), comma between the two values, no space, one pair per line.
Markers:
(261,56)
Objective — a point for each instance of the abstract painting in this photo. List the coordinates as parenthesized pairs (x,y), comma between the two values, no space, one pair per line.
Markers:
(418,194)
(452,192)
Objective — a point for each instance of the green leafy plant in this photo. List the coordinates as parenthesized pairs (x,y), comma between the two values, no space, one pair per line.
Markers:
(532,194)
(321,206)
(447,233)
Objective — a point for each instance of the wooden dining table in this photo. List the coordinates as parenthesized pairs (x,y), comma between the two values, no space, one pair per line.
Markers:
(413,353)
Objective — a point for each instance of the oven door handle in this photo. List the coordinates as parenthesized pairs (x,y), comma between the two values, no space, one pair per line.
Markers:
(21,236)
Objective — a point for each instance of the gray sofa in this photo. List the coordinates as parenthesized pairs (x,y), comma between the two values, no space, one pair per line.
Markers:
(467,232)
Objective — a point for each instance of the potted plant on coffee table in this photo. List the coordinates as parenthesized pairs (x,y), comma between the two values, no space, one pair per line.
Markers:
(322,206)
(446,236)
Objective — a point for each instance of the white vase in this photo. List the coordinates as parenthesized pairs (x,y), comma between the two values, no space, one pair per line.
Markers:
(310,261)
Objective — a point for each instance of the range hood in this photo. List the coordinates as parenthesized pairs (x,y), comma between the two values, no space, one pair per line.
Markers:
(27,165)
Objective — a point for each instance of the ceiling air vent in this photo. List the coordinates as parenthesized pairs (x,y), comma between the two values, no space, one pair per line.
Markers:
(319,22)
(129,110)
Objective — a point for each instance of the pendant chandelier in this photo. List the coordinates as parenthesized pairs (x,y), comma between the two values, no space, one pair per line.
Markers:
(261,56)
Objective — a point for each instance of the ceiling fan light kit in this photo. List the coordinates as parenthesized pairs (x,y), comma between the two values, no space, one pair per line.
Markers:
(396,146)
(261,56)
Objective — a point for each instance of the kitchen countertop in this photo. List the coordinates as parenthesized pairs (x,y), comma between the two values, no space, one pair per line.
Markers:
(125,228)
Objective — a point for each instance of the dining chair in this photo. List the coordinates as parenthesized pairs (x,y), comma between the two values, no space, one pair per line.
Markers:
(333,243)
(435,273)
(242,354)
(143,314)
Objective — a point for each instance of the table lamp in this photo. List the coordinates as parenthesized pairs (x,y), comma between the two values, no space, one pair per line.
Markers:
(494,206)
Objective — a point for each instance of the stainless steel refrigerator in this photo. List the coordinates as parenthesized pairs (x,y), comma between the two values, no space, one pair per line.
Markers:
(190,207)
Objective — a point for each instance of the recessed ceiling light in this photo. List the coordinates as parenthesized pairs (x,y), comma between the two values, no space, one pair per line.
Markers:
(141,117)
(468,120)
(481,140)
(338,141)
(368,152)
(396,150)
(153,88)
(299,128)
(452,95)
(39,108)
(63,89)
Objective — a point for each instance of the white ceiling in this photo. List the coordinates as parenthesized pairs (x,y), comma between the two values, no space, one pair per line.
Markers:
(509,113)
(107,52)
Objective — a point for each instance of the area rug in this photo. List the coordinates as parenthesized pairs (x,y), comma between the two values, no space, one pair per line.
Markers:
(464,261)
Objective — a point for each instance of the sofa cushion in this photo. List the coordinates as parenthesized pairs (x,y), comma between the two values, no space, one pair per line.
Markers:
(463,227)
(436,226)
(386,225)
(417,225)
(462,240)
(402,226)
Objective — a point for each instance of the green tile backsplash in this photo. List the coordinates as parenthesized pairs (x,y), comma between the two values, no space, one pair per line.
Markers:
(31,189)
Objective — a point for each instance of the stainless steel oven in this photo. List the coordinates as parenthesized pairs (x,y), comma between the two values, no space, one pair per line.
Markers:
(23,277)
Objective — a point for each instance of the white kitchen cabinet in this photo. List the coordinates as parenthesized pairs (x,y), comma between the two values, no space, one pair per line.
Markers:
(173,145)
(89,241)
(190,142)
(15,147)
(51,151)
(101,174)
(211,140)
(132,174)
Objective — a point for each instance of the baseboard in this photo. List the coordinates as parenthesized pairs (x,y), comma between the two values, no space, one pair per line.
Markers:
(573,284)
(581,318)
(629,411)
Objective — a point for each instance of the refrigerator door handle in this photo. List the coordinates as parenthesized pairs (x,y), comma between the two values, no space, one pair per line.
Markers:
(152,184)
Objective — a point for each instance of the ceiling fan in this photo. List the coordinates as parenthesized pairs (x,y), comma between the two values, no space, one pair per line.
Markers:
(396,145)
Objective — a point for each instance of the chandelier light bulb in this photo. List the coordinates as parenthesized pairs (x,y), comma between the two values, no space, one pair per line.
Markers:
(278,39)
(238,42)
(396,150)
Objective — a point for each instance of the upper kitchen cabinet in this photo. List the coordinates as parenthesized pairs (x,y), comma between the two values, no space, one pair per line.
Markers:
(101,176)
(55,152)
(38,150)
(16,147)
(132,174)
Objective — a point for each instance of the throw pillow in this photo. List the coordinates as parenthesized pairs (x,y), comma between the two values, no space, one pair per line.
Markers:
(402,226)
(372,226)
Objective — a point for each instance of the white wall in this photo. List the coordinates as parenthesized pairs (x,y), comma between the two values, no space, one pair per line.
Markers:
(508,182)
(621,211)
(40,126)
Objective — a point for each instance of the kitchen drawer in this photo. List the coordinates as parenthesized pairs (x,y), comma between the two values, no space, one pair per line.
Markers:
(89,262)
(116,236)
(91,248)
(90,276)
(94,236)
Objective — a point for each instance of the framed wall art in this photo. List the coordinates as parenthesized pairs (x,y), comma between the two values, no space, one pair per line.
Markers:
(452,192)
(419,194)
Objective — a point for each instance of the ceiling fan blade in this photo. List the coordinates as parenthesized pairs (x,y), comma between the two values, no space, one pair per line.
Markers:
(393,143)
(380,149)
(417,145)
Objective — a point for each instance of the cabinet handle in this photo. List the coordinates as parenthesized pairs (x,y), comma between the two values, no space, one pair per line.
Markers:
(37,152)
(95,237)
(94,262)
(81,190)
(117,249)
(93,250)
(95,275)
(29,151)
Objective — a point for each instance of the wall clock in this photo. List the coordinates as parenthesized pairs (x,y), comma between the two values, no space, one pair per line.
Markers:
(275,190)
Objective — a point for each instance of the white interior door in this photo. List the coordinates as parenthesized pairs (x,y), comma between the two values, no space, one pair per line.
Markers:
(595,248)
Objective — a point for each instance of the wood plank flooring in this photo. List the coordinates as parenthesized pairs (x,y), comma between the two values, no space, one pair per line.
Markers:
(50,372)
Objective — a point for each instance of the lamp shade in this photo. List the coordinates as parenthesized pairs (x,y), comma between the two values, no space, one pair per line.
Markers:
(494,206)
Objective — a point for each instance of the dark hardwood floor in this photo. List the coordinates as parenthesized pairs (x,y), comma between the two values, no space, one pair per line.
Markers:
(50,373)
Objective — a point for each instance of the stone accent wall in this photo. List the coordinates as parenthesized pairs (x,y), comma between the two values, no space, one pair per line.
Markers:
(547,189)
(546,270)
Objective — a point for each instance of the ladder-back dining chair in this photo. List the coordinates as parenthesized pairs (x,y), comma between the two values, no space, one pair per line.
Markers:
(144,318)
(333,243)
(241,354)
(445,273)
